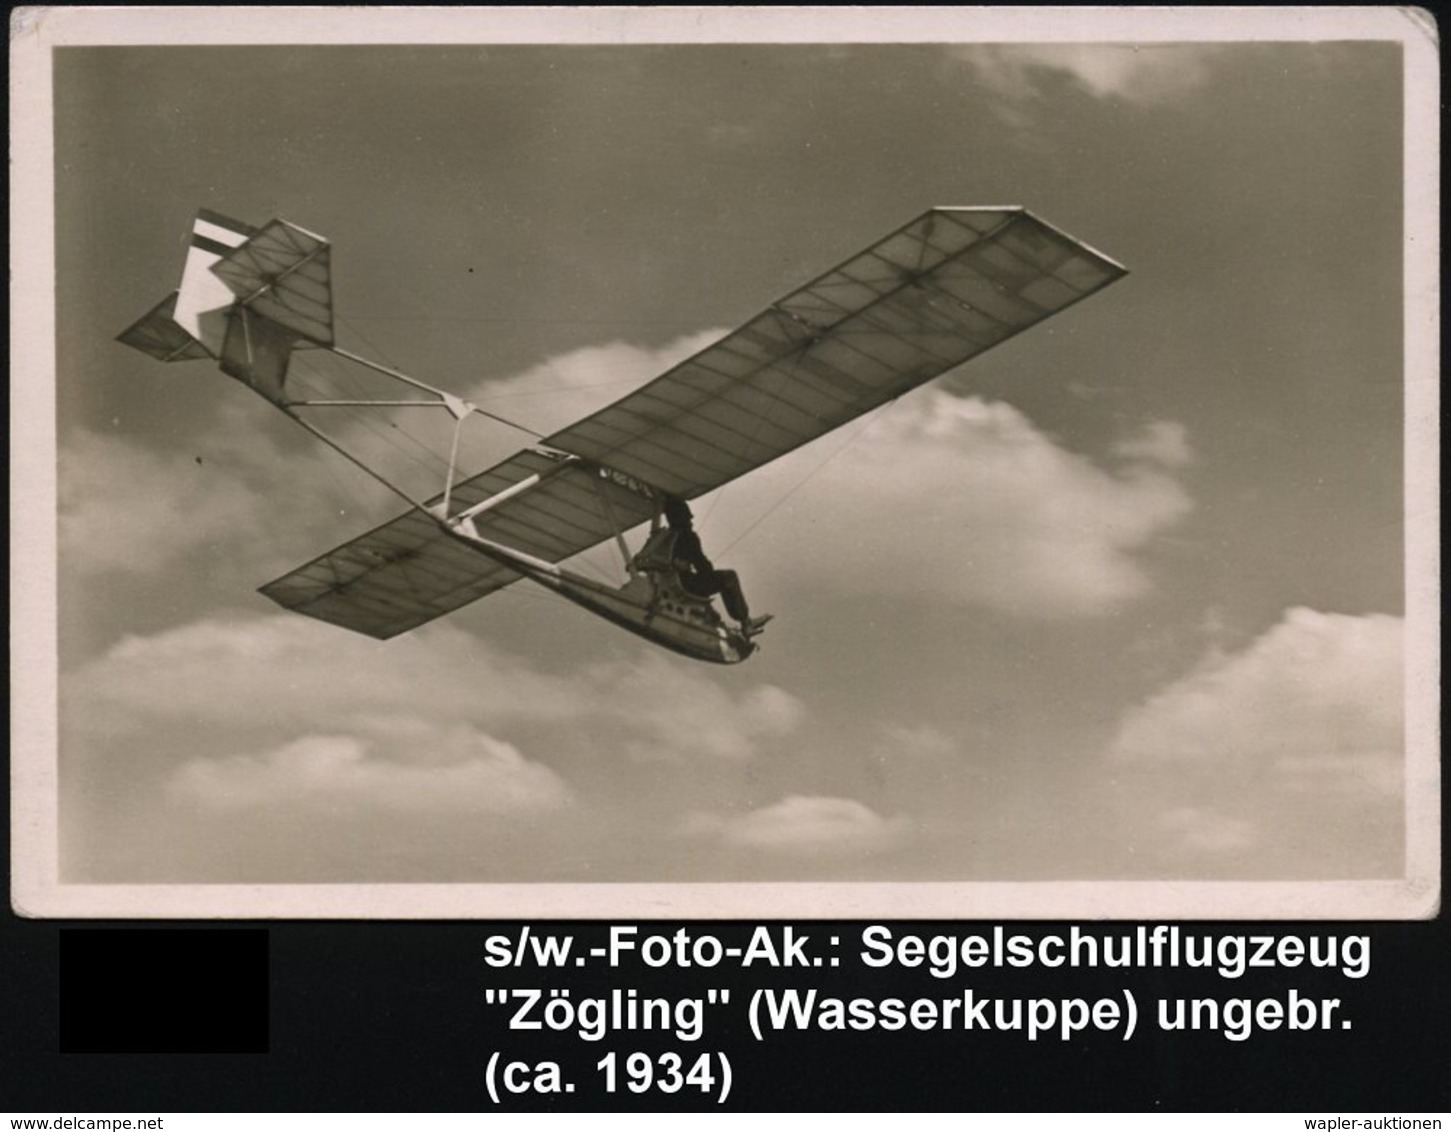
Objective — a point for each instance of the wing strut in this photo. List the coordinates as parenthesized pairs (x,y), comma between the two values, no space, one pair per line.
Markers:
(455,404)
(615,526)
(338,448)
(527,483)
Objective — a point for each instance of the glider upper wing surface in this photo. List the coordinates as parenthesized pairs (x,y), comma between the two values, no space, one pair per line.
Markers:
(935,293)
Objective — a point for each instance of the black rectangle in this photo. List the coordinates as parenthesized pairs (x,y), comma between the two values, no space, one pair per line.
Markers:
(164,990)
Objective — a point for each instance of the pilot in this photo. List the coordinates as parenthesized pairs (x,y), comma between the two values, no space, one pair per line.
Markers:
(698,575)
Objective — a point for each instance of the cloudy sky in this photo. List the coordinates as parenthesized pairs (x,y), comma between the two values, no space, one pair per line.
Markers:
(1121,600)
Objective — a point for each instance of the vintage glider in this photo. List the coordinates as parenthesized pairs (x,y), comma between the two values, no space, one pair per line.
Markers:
(937,291)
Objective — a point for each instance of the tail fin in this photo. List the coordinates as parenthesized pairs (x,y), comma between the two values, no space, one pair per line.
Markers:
(256,352)
(279,282)
(203,300)
(248,297)
(191,322)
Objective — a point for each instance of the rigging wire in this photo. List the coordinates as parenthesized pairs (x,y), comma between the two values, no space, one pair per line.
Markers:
(393,433)
(352,325)
(851,439)
(632,382)
(409,447)
(761,419)
(354,328)
(345,490)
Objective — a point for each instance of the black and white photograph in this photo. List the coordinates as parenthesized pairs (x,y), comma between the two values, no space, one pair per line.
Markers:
(692,558)
(508,468)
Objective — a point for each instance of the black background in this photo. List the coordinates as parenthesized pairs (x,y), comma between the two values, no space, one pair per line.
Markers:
(391,1016)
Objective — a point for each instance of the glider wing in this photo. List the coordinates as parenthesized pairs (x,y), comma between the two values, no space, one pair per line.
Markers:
(944,288)
(409,571)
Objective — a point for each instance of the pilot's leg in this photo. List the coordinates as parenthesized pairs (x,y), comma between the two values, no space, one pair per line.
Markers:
(734,600)
(728,584)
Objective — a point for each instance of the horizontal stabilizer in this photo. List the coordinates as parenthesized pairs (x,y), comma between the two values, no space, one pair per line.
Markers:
(284,273)
(157,334)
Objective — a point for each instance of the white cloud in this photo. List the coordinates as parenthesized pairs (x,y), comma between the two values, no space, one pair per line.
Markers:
(802,825)
(1292,746)
(229,491)
(679,714)
(1161,442)
(1316,687)
(917,741)
(294,675)
(1140,74)
(126,509)
(564,388)
(297,673)
(963,500)
(311,752)
(328,772)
